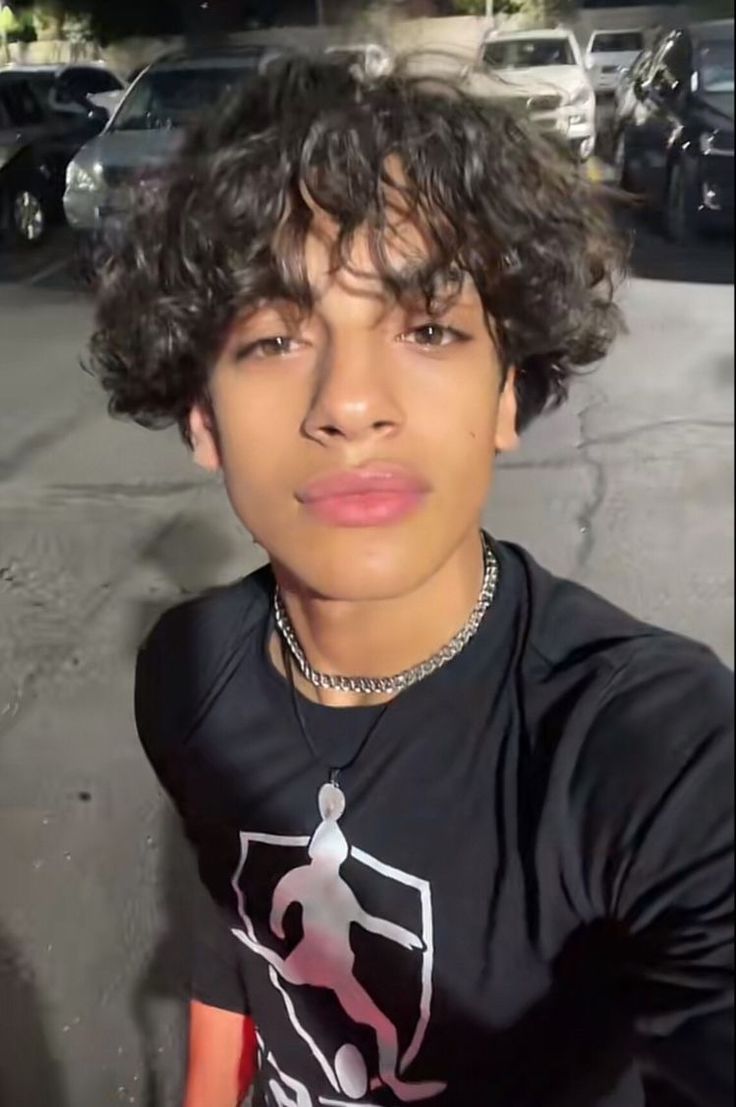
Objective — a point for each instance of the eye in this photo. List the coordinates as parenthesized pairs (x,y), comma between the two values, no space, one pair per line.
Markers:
(276,346)
(433,336)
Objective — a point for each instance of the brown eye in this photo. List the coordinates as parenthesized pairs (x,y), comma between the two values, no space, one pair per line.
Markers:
(276,346)
(433,336)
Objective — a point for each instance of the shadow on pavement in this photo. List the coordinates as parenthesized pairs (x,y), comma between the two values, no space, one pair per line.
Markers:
(707,260)
(30,1076)
(164,980)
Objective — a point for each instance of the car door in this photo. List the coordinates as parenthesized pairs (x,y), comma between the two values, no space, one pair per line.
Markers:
(22,112)
(658,114)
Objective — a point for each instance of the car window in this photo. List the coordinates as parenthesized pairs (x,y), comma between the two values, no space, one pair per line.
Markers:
(528,53)
(86,82)
(715,66)
(617,42)
(171,97)
(21,106)
(42,84)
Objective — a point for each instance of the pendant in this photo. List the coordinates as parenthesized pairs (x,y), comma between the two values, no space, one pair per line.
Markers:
(331,800)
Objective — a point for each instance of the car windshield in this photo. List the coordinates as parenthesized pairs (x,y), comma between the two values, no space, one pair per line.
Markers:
(528,53)
(622,42)
(716,66)
(167,98)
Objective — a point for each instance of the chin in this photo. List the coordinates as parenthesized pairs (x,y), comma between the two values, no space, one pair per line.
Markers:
(359,564)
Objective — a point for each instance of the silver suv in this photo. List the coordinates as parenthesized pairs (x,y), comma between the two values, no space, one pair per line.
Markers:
(146,129)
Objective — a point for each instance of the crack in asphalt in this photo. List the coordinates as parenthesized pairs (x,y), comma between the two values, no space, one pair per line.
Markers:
(587,515)
(615,438)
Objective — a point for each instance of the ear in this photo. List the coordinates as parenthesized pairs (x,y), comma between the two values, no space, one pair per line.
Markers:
(507,437)
(203,439)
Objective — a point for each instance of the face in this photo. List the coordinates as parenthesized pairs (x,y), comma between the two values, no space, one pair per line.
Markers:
(357,443)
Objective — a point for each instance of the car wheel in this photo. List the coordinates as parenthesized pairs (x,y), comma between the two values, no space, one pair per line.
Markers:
(621,161)
(28,217)
(680,211)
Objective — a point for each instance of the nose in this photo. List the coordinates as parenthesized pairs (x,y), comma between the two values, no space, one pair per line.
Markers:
(353,398)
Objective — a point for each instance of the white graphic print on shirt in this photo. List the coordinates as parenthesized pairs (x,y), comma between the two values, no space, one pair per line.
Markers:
(323,958)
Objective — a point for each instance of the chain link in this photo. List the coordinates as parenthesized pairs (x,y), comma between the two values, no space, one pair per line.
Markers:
(401,681)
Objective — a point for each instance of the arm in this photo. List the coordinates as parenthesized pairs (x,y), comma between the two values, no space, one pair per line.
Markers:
(222,1057)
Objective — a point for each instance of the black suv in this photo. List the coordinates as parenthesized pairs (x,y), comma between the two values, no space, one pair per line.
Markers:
(35,147)
(674,142)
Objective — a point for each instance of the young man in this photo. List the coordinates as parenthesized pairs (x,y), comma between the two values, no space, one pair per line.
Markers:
(466,827)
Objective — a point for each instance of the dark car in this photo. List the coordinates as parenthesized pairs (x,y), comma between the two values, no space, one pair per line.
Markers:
(68,88)
(675,144)
(36,146)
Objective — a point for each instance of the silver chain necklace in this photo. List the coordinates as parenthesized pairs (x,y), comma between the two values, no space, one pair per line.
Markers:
(401,681)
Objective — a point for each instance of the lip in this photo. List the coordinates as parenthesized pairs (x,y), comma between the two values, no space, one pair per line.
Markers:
(371,495)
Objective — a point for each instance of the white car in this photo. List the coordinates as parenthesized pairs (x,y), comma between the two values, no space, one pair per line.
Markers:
(370,58)
(543,72)
(609,55)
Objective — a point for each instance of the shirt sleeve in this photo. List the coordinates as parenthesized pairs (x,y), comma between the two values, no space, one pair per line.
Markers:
(656,794)
(216,976)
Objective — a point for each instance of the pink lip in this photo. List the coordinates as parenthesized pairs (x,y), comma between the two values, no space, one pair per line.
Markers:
(365,497)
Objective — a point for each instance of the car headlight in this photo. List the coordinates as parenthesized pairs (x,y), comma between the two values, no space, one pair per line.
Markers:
(582,97)
(717,143)
(81,179)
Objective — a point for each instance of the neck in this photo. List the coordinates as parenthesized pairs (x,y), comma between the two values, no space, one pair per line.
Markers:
(383,637)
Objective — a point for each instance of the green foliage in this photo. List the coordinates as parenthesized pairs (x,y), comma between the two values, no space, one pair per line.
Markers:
(478,7)
(17,26)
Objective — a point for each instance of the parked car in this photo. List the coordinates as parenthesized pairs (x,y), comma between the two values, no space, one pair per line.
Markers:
(609,55)
(146,129)
(69,88)
(35,148)
(372,59)
(624,96)
(676,147)
(543,73)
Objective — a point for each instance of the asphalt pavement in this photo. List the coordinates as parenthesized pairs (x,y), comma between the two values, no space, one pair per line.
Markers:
(629,489)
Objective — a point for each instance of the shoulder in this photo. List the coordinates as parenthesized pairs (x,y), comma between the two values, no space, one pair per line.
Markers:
(637,703)
(566,623)
(190,654)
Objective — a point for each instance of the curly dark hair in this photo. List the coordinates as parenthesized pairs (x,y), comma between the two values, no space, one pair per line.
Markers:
(225,227)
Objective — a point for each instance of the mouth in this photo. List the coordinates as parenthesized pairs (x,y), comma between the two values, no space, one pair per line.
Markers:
(369,496)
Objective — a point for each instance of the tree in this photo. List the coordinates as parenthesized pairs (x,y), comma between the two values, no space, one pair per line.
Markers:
(544,13)
(478,7)
(110,20)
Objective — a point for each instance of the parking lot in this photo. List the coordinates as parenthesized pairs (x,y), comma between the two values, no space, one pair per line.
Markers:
(628,489)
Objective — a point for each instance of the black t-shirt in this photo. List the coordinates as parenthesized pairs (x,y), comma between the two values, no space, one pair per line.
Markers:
(527,901)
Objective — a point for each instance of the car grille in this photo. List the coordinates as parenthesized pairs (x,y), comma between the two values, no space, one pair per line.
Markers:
(118,176)
(126,176)
(543,103)
(535,106)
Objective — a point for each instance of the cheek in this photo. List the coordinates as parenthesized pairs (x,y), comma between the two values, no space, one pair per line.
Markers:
(252,449)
